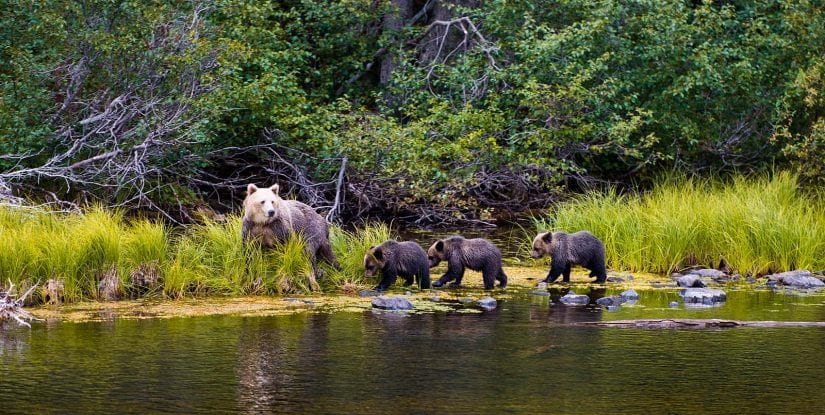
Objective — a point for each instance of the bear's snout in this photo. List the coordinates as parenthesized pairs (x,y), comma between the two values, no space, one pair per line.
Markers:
(535,254)
(270,213)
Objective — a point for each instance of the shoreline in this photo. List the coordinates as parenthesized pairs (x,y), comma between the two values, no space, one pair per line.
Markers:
(520,278)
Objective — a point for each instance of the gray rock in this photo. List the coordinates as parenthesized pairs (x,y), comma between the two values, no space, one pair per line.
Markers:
(629,295)
(610,301)
(408,293)
(466,300)
(691,280)
(435,299)
(675,276)
(487,303)
(630,278)
(617,280)
(540,293)
(541,286)
(705,296)
(395,302)
(750,280)
(797,279)
(708,273)
(574,299)
(674,304)
(613,308)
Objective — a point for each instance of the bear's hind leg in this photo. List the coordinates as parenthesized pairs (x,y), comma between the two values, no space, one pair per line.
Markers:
(423,277)
(502,278)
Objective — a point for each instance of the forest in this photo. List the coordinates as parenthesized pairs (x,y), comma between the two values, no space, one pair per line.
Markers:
(425,111)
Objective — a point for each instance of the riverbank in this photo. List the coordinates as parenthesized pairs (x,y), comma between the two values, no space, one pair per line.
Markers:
(520,279)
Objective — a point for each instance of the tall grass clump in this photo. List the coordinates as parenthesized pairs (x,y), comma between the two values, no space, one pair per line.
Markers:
(211,258)
(77,249)
(81,249)
(756,225)
(349,248)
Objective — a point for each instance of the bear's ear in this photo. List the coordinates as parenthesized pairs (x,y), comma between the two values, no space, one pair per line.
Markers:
(251,188)
(378,254)
(439,246)
(275,188)
(547,237)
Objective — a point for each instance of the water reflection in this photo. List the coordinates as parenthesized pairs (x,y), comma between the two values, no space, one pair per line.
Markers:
(277,358)
(12,340)
(523,357)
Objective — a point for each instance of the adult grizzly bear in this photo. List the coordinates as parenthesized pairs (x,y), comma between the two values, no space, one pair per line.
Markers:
(269,219)
(477,254)
(580,248)
(392,258)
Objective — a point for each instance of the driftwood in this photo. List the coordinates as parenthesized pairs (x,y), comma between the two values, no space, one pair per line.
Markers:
(698,324)
(11,307)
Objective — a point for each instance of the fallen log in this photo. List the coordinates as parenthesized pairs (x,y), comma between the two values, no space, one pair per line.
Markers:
(698,323)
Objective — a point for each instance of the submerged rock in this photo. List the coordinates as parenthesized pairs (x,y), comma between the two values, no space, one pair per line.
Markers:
(613,300)
(674,304)
(613,308)
(706,296)
(691,280)
(540,293)
(368,293)
(487,303)
(541,286)
(617,280)
(574,299)
(797,279)
(395,302)
(629,295)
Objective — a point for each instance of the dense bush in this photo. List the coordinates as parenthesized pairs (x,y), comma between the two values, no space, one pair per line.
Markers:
(159,104)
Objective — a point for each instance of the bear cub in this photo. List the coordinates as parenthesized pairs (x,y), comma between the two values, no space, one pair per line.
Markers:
(392,258)
(477,254)
(268,219)
(566,249)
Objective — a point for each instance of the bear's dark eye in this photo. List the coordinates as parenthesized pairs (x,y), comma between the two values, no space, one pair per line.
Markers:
(263,201)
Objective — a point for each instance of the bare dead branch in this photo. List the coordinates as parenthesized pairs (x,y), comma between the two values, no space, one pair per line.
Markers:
(11,306)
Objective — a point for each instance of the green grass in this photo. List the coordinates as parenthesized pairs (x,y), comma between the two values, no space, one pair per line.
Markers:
(349,248)
(205,259)
(757,225)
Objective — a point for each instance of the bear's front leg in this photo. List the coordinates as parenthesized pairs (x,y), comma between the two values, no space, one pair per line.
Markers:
(387,280)
(555,271)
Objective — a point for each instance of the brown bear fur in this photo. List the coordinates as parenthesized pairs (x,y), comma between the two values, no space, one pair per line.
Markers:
(477,254)
(268,219)
(565,249)
(392,258)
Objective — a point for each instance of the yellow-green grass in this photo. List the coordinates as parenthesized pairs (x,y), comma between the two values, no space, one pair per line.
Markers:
(756,225)
(80,249)
(349,248)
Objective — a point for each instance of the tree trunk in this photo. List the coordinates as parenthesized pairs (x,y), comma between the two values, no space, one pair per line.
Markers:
(393,22)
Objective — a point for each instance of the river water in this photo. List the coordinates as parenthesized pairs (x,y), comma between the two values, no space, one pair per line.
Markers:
(523,357)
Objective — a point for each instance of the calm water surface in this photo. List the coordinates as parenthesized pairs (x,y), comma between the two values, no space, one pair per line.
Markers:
(523,357)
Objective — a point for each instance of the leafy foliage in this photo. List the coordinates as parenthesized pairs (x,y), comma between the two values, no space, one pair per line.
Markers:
(500,116)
